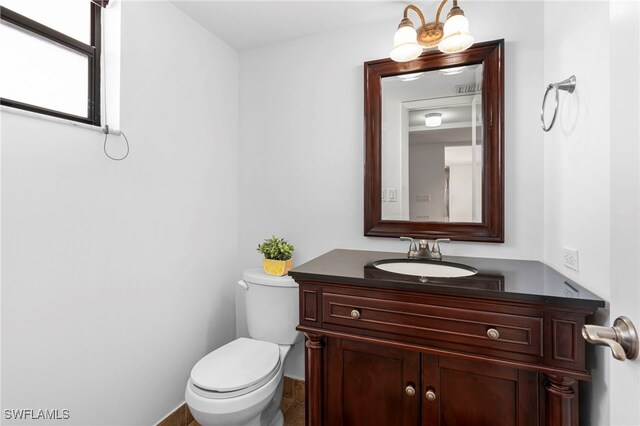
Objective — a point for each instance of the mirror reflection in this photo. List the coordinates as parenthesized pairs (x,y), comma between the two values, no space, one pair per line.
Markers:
(432,145)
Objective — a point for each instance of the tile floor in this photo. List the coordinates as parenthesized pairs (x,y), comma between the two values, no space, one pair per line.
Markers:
(292,404)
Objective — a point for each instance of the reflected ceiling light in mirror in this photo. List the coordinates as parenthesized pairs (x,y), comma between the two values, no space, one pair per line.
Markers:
(453,36)
(433,119)
(410,77)
(452,71)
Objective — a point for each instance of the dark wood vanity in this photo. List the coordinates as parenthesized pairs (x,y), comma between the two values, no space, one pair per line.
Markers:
(502,347)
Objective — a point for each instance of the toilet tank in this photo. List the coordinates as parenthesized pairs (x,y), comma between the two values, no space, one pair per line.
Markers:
(271,307)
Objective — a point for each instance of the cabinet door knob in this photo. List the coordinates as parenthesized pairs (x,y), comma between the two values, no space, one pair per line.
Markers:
(410,390)
(493,334)
(355,314)
(430,395)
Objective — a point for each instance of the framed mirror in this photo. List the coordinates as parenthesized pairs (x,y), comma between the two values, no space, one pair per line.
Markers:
(434,146)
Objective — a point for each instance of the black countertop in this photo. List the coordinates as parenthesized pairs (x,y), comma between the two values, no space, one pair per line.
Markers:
(523,280)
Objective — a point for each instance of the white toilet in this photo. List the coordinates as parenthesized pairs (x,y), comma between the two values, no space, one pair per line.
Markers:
(241,382)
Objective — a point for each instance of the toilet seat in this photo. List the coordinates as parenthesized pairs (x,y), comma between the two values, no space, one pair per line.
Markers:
(235,369)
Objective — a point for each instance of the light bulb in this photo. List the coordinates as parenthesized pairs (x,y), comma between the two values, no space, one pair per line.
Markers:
(405,45)
(456,36)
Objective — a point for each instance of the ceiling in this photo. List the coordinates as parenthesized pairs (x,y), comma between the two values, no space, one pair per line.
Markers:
(458,114)
(458,135)
(250,24)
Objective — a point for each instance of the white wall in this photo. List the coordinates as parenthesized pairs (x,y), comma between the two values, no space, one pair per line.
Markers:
(427,177)
(577,174)
(461,187)
(577,171)
(592,181)
(118,276)
(301,140)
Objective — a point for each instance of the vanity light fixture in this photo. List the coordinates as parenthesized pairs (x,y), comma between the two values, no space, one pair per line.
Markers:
(452,37)
(433,119)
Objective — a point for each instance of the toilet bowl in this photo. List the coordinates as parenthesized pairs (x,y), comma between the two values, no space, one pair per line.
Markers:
(253,403)
(240,383)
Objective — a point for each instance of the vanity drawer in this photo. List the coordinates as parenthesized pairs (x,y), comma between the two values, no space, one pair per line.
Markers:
(499,331)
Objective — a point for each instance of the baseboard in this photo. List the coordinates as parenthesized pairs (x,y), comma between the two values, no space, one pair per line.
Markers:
(181,416)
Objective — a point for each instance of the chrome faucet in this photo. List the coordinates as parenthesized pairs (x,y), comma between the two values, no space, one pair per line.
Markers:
(422,251)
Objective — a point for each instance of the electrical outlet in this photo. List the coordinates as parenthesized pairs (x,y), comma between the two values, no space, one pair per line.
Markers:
(571,259)
(392,195)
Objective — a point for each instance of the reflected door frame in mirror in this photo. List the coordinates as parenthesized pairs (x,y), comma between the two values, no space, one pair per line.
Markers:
(491,228)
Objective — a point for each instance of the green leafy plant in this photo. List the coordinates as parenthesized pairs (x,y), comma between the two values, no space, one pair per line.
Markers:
(276,249)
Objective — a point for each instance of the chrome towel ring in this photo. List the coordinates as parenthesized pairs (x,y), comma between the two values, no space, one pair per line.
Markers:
(567,85)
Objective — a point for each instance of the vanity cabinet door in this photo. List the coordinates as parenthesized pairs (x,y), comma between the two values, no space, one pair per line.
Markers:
(461,392)
(368,384)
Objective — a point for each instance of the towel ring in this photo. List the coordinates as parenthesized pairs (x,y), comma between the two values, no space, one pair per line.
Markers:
(567,85)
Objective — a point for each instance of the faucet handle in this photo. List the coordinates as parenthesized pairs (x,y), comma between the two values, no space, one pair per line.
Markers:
(413,249)
(435,248)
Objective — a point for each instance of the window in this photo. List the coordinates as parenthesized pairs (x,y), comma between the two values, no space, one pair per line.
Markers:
(50,57)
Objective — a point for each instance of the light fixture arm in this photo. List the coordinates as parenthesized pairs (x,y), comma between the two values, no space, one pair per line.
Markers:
(421,15)
(429,34)
(455,4)
(405,16)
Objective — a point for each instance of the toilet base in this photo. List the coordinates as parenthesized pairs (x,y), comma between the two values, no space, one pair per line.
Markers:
(272,415)
(266,419)
(278,420)
(265,414)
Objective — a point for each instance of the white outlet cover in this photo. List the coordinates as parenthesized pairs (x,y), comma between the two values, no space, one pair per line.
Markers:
(571,259)
(391,194)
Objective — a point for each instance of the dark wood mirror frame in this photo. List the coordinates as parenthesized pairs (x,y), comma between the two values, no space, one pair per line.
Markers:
(491,228)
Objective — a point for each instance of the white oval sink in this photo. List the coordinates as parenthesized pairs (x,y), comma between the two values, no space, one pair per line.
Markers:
(427,269)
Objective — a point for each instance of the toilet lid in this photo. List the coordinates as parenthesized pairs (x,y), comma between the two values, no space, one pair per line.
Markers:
(236,365)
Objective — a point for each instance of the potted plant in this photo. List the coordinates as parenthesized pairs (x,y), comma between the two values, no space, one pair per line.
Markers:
(277,254)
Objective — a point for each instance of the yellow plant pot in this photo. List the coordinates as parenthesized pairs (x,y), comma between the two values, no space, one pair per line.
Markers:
(277,267)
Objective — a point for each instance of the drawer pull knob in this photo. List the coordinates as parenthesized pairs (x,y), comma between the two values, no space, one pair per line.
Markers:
(493,334)
(355,314)
(410,390)
(430,395)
